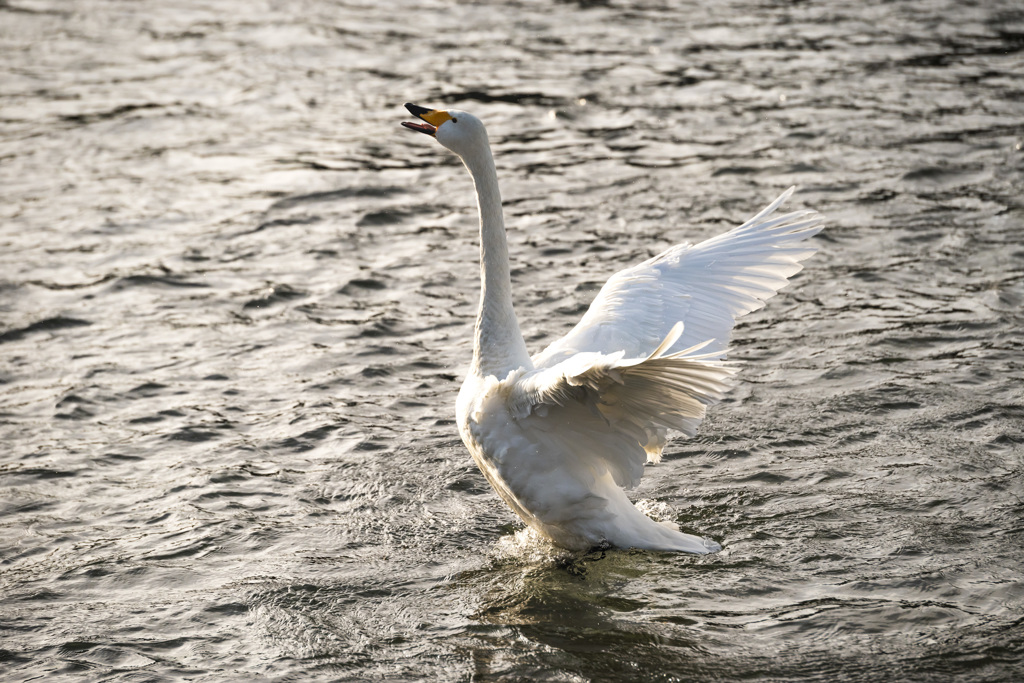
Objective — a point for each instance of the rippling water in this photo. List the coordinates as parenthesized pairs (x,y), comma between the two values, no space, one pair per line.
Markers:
(236,301)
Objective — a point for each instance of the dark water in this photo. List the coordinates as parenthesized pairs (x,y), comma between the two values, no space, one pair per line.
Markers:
(236,301)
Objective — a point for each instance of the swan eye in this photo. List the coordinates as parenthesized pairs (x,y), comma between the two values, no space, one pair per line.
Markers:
(454,120)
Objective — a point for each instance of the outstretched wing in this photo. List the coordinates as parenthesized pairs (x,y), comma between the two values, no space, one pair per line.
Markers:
(631,399)
(706,287)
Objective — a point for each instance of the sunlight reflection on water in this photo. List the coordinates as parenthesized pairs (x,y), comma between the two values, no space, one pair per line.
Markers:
(236,303)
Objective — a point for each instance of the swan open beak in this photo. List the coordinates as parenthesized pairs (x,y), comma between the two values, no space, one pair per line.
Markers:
(433,118)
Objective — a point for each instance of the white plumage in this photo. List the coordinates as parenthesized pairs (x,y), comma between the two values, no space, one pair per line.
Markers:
(560,435)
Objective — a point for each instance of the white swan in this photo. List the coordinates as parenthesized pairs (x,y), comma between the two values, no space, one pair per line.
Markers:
(559,435)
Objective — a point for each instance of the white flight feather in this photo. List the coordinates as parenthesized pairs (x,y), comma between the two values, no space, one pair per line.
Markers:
(706,286)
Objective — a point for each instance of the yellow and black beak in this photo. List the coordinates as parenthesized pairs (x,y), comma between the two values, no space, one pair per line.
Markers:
(432,117)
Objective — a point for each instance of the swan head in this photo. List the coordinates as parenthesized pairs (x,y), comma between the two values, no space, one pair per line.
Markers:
(459,131)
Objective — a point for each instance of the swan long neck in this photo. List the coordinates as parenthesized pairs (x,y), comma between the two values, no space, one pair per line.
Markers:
(498,346)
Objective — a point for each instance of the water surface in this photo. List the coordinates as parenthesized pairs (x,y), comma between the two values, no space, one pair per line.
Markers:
(236,302)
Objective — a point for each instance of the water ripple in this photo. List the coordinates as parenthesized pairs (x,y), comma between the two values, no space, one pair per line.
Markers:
(237,299)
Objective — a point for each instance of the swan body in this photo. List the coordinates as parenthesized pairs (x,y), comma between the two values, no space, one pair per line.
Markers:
(560,435)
